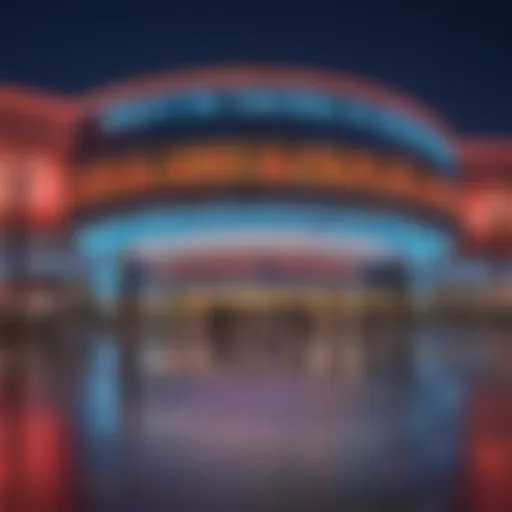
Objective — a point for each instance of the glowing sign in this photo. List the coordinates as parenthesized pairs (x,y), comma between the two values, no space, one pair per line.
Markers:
(103,242)
(42,197)
(288,105)
(486,217)
(311,167)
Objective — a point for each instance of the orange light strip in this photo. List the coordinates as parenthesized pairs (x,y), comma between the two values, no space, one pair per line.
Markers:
(231,164)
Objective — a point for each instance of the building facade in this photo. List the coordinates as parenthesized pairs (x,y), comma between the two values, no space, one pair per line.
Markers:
(287,179)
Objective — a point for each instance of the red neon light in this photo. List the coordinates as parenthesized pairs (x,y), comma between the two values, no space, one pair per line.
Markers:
(45,199)
(486,216)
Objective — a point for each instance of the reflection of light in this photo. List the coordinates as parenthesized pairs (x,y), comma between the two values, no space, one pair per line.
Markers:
(41,302)
(43,457)
(47,469)
(435,413)
(102,393)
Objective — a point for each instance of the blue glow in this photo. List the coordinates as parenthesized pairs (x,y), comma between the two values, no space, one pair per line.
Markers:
(102,394)
(103,242)
(357,115)
(255,102)
(308,105)
(205,102)
(296,105)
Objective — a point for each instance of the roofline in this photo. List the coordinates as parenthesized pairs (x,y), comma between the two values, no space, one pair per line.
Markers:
(29,101)
(240,75)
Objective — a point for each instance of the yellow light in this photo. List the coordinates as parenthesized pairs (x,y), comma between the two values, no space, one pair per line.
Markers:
(229,163)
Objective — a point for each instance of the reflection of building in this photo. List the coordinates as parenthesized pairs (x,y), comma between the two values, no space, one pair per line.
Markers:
(190,159)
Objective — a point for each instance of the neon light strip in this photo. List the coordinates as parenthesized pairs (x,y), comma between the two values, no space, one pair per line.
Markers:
(268,165)
(103,243)
(267,104)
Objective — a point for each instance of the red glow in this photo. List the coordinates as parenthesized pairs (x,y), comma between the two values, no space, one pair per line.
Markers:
(6,162)
(46,191)
(249,264)
(489,454)
(486,217)
(47,468)
(35,455)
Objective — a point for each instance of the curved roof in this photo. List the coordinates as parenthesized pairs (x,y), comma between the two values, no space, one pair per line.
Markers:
(240,75)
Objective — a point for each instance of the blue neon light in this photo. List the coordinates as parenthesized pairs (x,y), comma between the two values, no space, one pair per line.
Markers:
(103,242)
(259,103)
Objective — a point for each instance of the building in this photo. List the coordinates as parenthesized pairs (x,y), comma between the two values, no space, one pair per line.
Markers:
(259,187)
(35,142)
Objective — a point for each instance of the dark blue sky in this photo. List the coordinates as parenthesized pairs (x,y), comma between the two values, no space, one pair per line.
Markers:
(454,57)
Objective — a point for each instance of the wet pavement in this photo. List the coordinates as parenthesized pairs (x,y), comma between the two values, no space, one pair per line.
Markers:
(384,440)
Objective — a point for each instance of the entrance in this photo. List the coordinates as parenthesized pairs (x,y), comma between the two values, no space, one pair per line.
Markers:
(279,337)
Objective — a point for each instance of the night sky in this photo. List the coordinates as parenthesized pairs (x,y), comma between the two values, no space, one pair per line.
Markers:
(454,57)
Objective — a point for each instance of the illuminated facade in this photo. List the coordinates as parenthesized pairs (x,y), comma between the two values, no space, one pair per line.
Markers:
(35,143)
(192,162)
(281,153)
(486,199)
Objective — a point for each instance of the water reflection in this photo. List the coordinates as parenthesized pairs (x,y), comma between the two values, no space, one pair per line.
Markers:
(256,440)
(102,393)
